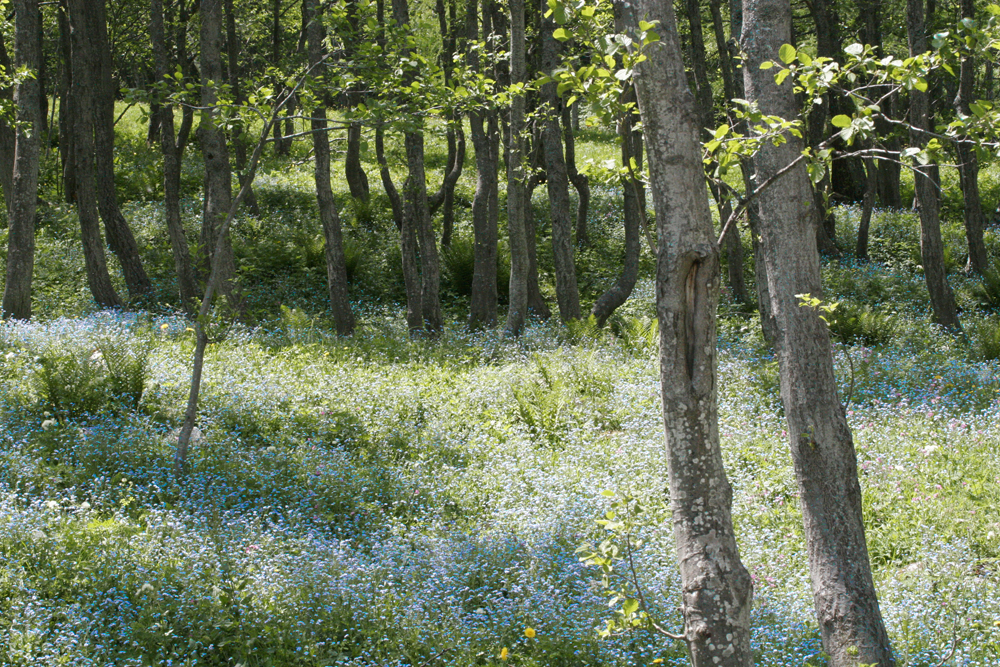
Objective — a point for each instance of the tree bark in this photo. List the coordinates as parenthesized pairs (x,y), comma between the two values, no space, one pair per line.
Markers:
(119,235)
(357,179)
(67,161)
(827,46)
(7,137)
(968,162)
(218,176)
(336,265)
(821,444)
(871,187)
(580,182)
(485,136)
(716,587)
(557,182)
(517,206)
(23,193)
(233,79)
(80,112)
(926,200)
(173,150)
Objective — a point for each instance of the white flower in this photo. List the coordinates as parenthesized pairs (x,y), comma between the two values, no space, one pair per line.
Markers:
(37,534)
(49,423)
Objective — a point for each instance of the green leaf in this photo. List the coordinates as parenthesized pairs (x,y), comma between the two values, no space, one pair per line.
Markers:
(630,606)
(588,11)
(767,64)
(721,131)
(561,34)
(920,85)
(804,58)
(786,53)
(841,121)
(780,77)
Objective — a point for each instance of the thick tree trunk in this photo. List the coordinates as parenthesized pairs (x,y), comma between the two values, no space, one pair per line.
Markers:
(336,265)
(927,201)
(218,175)
(486,141)
(716,587)
(821,444)
(416,212)
(557,182)
(827,46)
(233,79)
(119,235)
(23,194)
(517,206)
(81,101)
(968,163)
(173,150)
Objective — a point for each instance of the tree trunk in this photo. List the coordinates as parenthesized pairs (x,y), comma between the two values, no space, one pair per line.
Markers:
(7,138)
(80,111)
(827,46)
(173,151)
(485,139)
(218,176)
(336,265)
(119,235)
(23,193)
(926,201)
(821,443)
(871,186)
(557,182)
(357,179)
(233,79)
(580,182)
(716,587)
(968,163)
(517,309)
(416,212)
(67,161)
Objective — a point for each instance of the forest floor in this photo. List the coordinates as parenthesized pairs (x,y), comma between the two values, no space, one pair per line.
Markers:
(389,500)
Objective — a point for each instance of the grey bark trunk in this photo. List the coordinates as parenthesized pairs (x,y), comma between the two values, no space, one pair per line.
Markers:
(517,309)
(81,114)
(867,206)
(336,265)
(357,179)
(23,193)
(485,136)
(173,150)
(927,199)
(557,182)
(67,162)
(821,444)
(119,234)
(218,175)
(7,137)
(827,46)
(968,163)
(233,78)
(580,181)
(716,587)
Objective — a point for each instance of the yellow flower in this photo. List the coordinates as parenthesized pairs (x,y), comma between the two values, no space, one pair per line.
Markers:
(658,661)
(164,326)
(503,653)
(529,633)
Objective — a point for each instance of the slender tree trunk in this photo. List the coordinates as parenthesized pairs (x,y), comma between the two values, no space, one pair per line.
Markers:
(557,182)
(23,193)
(926,189)
(871,187)
(357,179)
(968,163)
(119,235)
(83,63)
(716,587)
(821,444)
(580,182)
(827,46)
(233,79)
(173,151)
(516,205)
(336,265)
(7,138)
(67,161)
(218,176)
(769,327)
